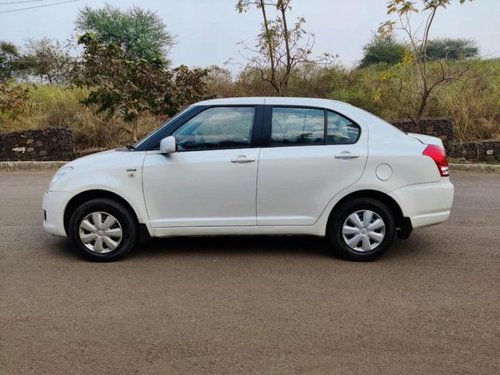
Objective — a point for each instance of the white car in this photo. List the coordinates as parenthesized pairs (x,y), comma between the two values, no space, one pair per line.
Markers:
(256,166)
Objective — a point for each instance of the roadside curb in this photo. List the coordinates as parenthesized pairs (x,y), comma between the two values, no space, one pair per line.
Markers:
(489,168)
(7,166)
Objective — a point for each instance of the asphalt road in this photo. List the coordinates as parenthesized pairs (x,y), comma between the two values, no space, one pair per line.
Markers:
(431,305)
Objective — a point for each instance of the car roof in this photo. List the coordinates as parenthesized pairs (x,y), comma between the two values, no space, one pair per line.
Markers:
(272,100)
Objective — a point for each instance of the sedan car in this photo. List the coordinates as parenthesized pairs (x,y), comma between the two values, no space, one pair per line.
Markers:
(256,166)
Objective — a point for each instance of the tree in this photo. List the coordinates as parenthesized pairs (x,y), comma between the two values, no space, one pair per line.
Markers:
(48,60)
(281,47)
(382,49)
(121,86)
(141,33)
(427,80)
(220,83)
(451,49)
(125,87)
(11,61)
(188,86)
(126,67)
(13,98)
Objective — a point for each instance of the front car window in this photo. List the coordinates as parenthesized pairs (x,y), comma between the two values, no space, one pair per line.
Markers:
(154,134)
(216,128)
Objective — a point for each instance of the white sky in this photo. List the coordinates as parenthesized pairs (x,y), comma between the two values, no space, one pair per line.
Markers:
(207,31)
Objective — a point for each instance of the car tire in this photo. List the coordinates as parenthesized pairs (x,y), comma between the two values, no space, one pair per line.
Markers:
(361,229)
(102,230)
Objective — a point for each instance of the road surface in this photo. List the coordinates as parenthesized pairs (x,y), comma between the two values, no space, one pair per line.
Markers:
(260,305)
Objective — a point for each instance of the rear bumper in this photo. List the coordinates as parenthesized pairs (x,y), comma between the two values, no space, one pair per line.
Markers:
(426,204)
(54,203)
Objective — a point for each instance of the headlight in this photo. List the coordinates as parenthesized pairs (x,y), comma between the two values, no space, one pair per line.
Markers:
(61,172)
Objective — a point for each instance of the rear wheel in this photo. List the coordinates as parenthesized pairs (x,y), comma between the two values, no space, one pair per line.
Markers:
(102,230)
(361,229)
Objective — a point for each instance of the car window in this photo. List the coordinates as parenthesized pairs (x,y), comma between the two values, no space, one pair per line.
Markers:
(340,130)
(297,126)
(216,128)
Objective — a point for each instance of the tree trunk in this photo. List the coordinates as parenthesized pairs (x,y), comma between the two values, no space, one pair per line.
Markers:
(269,44)
(286,36)
(421,109)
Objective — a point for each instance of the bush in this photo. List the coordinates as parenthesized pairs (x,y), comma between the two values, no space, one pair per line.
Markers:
(59,106)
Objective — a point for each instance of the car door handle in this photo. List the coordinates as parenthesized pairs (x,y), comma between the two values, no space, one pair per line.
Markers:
(346,155)
(242,159)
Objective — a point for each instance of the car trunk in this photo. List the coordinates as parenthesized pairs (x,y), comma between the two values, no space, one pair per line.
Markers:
(427,139)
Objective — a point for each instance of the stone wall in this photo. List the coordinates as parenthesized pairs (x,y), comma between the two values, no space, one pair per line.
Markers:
(57,143)
(485,151)
(441,127)
(40,144)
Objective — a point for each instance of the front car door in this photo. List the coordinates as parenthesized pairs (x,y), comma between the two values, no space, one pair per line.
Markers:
(211,179)
(311,155)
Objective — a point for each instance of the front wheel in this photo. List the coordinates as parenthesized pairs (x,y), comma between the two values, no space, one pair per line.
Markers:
(102,230)
(361,229)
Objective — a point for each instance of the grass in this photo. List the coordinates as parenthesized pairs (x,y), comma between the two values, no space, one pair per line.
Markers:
(58,106)
(473,102)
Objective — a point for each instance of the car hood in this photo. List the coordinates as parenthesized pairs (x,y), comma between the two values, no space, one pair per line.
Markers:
(94,158)
(109,159)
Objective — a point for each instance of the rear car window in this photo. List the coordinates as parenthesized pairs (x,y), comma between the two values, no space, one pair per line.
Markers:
(311,126)
(296,126)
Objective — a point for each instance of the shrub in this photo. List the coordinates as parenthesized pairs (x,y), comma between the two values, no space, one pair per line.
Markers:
(58,106)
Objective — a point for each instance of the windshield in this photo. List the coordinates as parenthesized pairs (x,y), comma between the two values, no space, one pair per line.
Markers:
(140,141)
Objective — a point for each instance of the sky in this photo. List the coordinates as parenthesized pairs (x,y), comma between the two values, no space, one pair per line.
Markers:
(208,31)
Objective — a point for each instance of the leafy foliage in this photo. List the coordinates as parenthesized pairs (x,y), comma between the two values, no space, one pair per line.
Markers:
(48,60)
(474,104)
(188,86)
(10,60)
(141,33)
(281,48)
(42,60)
(383,49)
(125,87)
(125,64)
(426,80)
(451,49)
(12,99)
(121,86)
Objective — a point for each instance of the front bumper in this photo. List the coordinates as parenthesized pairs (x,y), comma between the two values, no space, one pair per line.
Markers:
(54,203)
(426,204)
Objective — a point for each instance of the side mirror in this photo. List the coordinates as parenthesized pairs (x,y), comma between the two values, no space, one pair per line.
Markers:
(168,145)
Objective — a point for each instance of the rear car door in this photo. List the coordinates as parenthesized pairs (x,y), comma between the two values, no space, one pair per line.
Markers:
(311,155)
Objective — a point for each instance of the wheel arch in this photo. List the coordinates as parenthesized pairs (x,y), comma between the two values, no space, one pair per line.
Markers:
(87,195)
(403,224)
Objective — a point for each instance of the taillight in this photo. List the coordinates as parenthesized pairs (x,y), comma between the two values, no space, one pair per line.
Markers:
(439,156)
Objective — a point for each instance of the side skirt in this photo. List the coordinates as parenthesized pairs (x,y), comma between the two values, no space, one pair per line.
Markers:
(313,230)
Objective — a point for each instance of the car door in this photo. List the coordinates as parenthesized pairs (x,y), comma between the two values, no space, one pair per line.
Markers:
(211,179)
(312,154)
